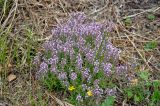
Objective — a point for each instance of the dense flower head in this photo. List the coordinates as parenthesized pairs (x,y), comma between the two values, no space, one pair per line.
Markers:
(107,68)
(80,56)
(79,61)
(85,74)
(73,76)
(84,87)
(111,91)
(98,92)
(62,76)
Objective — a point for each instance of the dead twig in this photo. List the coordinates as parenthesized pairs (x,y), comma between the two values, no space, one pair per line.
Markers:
(11,15)
(61,103)
(139,52)
(149,10)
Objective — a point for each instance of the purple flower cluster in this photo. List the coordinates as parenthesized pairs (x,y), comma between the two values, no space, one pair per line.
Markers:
(62,76)
(84,87)
(80,49)
(121,70)
(98,92)
(111,91)
(79,61)
(85,74)
(112,52)
(73,76)
(42,70)
(107,68)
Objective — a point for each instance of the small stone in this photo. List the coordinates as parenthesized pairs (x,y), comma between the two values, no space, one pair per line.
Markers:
(9,65)
(134,81)
(11,77)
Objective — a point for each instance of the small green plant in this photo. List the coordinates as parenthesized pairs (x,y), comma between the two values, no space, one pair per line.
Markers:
(136,93)
(3,49)
(1,3)
(109,101)
(128,21)
(51,82)
(150,45)
(38,99)
(156,94)
(142,90)
(144,75)
(151,17)
(5,6)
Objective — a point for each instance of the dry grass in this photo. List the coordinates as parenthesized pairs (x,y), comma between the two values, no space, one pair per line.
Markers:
(42,15)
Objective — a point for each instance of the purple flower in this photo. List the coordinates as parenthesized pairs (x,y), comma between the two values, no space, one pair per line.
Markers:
(107,68)
(81,41)
(90,55)
(79,17)
(52,60)
(98,40)
(96,63)
(37,58)
(84,87)
(73,76)
(42,70)
(113,52)
(65,83)
(111,92)
(96,69)
(63,62)
(98,92)
(89,79)
(109,26)
(85,74)
(54,69)
(79,61)
(121,69)
(96,82)
(62,76)
(43,67)
(79,97)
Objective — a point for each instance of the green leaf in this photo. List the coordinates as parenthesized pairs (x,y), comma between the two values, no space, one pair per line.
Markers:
(136,98)
(128,21)
(51,82)
(129,94)
(108,101)
(150,45)
(156,84)
(156,96)
(144,75)
(48,54)
(151,17)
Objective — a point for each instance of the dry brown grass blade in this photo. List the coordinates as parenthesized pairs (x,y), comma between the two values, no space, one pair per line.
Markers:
(10,17)
(139,52)
(149,10)
(59,102)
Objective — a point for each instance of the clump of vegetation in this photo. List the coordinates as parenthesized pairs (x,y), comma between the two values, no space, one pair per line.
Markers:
(128,21)
(150,45)
(143,90)
(81,61)
(1,3)
(151,17)
(5,6)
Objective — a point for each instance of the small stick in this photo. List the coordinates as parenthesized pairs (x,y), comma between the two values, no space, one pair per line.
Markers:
(149,10)
(61,103)
(139,52)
